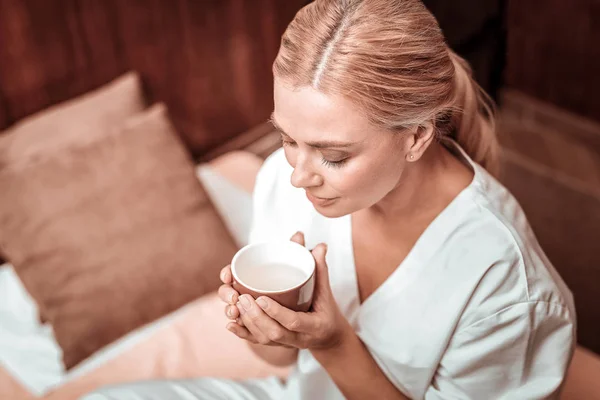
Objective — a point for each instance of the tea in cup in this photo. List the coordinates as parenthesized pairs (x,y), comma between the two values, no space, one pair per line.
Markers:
(283,271)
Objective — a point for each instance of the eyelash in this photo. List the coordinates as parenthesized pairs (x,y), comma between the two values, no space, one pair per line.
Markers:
(331,164)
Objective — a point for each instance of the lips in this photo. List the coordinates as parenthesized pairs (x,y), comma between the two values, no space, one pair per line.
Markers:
(320,201)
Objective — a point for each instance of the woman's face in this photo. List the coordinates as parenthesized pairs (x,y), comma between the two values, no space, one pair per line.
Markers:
(342,162)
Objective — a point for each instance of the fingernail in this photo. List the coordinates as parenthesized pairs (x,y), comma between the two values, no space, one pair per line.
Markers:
(240,308)
(230,312)
(232,299)
(226,276)
(229,328)
(262,303)
(245,302)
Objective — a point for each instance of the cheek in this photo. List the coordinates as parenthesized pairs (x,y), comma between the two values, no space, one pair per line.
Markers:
(353,180)
(367,179)
(345,181)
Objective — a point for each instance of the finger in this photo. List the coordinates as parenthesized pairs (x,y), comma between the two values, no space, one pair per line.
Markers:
(263,328)
(298,237)
(244,333)
(289,319)
(241,332)
(254,331)
(248,320)
(232,312)
(225,275)
(228,294)
(321,270)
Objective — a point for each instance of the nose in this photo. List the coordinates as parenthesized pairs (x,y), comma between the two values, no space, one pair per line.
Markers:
(304,177)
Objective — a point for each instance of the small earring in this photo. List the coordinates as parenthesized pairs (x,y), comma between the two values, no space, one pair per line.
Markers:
(411,157)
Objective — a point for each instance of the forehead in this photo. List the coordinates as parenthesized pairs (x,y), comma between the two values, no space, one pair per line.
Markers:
(309,115)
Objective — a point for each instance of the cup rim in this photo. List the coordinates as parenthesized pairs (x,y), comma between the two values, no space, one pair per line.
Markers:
(287,242)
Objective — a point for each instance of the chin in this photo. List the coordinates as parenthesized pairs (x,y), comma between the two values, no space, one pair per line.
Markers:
(332,211)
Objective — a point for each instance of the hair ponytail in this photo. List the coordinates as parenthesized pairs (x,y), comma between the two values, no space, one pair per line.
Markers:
(473,116)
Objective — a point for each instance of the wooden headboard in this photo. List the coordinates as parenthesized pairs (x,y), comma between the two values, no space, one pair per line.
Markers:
(209,60)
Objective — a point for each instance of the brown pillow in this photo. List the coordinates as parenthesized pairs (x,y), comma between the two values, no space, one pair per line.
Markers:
(102,108)
(111,232)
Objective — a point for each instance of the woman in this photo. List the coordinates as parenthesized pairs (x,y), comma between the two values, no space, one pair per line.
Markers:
(431,283)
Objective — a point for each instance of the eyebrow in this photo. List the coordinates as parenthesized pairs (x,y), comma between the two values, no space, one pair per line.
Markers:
(323,144)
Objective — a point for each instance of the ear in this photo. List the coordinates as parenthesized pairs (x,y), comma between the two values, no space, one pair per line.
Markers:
(419,141)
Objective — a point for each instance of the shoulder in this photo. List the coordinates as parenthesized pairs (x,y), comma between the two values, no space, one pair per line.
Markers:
(510,297)
(493,242)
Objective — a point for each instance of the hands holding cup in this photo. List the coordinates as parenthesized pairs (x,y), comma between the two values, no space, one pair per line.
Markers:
(282,317)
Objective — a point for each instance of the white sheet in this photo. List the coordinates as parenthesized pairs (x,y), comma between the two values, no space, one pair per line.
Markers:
(28,349)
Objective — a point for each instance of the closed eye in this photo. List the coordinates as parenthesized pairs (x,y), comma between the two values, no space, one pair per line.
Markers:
(333,164)
(286,142)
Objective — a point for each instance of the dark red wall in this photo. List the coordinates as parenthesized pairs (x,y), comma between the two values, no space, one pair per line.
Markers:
(210,60)
(554,52)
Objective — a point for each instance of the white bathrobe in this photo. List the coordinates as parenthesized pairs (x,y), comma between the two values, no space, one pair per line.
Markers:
(475,311)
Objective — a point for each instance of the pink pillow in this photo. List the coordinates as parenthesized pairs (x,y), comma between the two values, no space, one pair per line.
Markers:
(193,344)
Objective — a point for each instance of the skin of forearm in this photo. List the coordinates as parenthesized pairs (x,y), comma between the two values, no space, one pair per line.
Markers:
(355,372)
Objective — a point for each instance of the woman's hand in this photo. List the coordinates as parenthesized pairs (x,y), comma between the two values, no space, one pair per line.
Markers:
(230,296)
(266,322)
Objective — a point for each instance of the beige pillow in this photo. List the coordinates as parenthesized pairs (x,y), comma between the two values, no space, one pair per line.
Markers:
(110,231)
(57,126)
(109,105)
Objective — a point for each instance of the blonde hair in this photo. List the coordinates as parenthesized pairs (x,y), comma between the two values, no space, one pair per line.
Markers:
(390,58)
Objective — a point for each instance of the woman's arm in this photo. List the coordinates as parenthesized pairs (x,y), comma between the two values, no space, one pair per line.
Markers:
(264,321)
(324,331)
(522,351)
(364,380)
